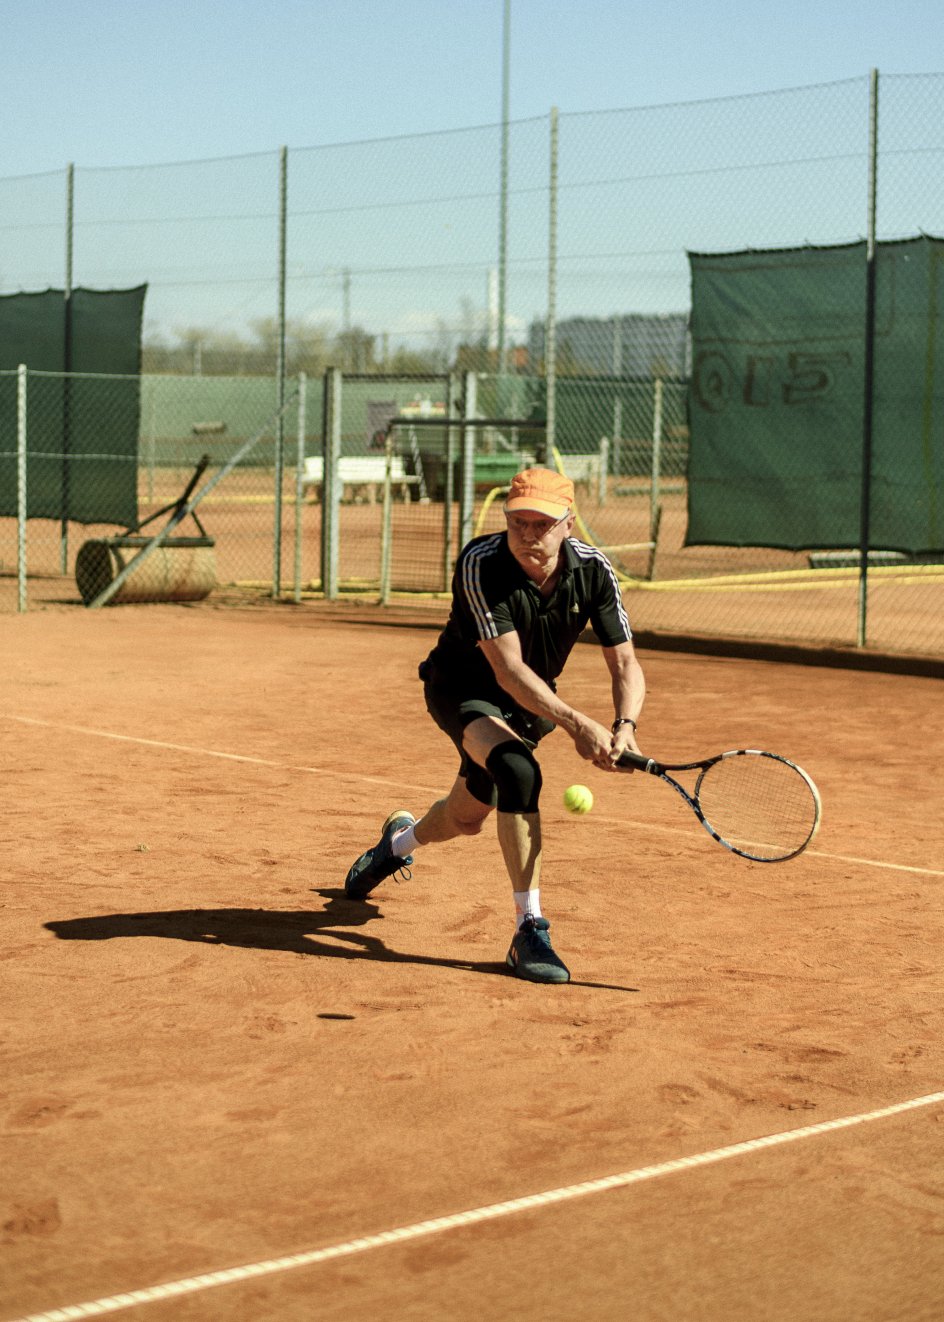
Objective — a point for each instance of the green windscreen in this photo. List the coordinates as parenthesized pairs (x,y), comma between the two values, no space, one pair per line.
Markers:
(777,398)
(82,430)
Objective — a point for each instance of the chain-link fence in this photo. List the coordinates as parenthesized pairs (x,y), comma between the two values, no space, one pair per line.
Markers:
(405,260)
(390,255)
(414,468)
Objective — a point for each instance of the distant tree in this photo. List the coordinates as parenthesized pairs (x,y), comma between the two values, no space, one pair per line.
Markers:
(354,350)
(412,362)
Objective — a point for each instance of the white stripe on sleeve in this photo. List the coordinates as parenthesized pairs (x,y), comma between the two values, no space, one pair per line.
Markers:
(584,551)
(472,586)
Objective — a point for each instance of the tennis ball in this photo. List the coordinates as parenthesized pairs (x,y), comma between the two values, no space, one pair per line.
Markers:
(578,799)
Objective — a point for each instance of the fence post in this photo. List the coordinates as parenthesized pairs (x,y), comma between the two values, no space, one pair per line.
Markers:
(386,522)
(330,490)
(617,365)
(453,399)
(67,368)
(503,193)
(467,463)
(550,331)
(865,510)
(299,481)
(280,381)
(21,506)
(655,493)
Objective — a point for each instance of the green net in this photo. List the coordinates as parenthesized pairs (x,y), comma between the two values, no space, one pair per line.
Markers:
(778,393)
(82,426)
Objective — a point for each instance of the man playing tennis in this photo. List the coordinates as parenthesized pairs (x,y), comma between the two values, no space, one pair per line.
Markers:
(521,598)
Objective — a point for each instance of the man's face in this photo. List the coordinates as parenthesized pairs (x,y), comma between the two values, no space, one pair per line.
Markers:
(535,540)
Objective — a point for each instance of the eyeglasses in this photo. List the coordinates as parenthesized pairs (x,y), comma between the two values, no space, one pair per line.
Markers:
(539,528)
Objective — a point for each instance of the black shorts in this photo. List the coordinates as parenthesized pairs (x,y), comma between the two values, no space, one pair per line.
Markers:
(453,708)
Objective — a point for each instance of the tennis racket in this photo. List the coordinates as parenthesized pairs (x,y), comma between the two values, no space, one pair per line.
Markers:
(756,804)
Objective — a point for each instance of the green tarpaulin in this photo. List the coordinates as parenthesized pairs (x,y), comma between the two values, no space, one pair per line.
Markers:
(82,429)
(777,400)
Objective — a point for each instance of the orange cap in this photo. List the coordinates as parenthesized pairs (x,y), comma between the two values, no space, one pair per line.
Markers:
(541,490)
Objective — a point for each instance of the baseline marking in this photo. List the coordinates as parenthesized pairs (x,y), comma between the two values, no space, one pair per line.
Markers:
(439,1225)
(399,784)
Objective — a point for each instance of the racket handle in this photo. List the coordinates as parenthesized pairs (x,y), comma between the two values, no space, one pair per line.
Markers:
(639,762)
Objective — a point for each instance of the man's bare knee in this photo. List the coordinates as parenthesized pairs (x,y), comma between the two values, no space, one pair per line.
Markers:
(465,812)
(469,825)
(459,813)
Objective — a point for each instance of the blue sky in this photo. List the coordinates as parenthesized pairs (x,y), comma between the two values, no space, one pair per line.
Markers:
(397,231)
(122,82)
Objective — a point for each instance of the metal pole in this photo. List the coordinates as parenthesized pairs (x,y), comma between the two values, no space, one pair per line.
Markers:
(21,505)
(280,380)
(453,396)
(550,331)
(299,480)
(67,367)
(348,356)
(386,523)
(617,396)
(70,227)
(467,464)
(865,511)
(330,487)
(654,491)
(503,190)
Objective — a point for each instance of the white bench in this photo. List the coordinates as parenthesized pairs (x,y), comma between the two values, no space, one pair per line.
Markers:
(581,468)
(362,476)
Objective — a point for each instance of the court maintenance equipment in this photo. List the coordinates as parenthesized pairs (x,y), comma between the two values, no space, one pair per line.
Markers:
(178,568)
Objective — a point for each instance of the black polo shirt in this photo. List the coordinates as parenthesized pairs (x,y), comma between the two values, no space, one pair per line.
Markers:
(492,595)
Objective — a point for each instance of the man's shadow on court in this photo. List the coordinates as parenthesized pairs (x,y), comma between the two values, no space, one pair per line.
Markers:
(323,932)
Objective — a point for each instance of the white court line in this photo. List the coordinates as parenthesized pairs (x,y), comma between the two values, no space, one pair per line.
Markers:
(401,784)
(874,863)
(213,752)
(439,1225)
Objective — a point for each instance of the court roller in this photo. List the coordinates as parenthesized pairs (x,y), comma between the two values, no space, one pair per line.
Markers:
(180,569)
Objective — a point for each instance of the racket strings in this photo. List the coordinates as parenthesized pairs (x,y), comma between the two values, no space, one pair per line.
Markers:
(761,805)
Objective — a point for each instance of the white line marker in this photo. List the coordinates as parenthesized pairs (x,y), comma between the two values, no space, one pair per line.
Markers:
(213,752)
(150,743)
(336,773)
(439,1225)
(873,863)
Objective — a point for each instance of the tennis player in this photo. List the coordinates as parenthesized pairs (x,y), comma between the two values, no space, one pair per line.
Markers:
(520,600)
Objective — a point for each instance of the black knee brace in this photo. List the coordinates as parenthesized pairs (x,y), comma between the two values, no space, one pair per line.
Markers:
(517,776)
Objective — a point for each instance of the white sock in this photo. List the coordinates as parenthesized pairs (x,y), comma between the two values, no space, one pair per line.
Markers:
(527,905)
(404,842)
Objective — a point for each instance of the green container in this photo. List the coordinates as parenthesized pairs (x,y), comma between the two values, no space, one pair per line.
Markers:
(495,470)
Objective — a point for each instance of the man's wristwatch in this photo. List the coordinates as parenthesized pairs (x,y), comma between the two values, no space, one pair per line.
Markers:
(623,720)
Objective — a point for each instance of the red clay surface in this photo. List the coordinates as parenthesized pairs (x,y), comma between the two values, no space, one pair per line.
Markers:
(212,1059)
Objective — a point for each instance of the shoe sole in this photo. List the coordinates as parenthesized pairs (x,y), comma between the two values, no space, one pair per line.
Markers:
(554,975)
(399,812)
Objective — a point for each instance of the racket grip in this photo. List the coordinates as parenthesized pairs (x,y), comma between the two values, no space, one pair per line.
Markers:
(640,763)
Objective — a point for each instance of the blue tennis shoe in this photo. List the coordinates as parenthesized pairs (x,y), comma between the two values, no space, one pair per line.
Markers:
(380,862)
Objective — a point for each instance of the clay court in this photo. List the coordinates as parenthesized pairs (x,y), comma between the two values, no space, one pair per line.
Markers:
(231,1093)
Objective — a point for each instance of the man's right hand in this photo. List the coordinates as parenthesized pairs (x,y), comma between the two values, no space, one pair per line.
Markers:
(593,742)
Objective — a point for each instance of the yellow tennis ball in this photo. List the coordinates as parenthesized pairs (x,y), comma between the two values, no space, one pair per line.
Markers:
(578,799)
